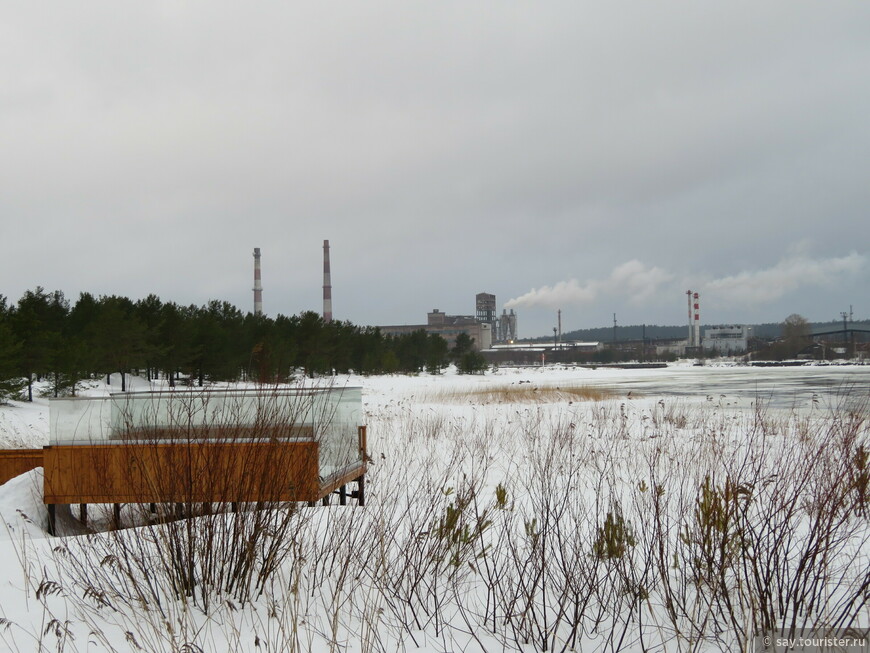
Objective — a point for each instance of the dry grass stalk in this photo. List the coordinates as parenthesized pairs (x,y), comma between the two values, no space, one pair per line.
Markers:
(594,527)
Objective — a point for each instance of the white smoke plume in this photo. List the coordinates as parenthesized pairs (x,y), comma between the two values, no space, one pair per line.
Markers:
(637,283)
(632,279)
(791,273)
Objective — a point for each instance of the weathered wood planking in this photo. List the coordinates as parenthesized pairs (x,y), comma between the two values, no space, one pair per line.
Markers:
(14,462)
(182,472)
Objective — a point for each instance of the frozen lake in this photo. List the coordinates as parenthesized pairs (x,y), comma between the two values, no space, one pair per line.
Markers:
(803,387)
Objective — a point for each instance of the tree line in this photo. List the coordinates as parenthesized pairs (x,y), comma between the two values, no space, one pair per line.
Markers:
(45,337)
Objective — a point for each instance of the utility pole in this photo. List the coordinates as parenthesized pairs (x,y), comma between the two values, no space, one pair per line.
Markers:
(853,332)
(848,316)
(643,345)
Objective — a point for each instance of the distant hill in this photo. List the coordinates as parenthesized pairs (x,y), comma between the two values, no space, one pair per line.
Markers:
(768,331)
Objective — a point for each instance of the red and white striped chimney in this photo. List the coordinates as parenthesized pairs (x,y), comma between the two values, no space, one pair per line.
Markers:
(691,330)
(327,285)
(258,285)
(697,321)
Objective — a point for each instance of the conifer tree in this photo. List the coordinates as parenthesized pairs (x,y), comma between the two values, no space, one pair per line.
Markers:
(11,382)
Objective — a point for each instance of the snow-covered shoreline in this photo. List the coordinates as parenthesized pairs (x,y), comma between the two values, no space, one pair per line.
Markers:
(471,501)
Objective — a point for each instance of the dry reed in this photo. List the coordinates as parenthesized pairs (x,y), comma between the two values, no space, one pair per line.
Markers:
(524,393)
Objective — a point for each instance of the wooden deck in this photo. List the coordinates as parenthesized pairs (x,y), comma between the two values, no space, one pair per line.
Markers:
(160,467)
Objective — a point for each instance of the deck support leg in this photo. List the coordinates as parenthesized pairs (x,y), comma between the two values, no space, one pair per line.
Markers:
(311,504)
(152,508)
(234,506)
(361,492)
(325,500)
(52,521)
(83,513)
(342,495)
(116,515)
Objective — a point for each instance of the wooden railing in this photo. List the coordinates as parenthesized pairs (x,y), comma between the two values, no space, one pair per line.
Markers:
(182,472)
(158,466)
(14,462)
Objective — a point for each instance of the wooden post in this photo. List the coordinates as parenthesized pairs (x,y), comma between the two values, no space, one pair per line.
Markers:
(361,430)
(116,514)
(342,495)
(361,481)
(83,513)
(52,521)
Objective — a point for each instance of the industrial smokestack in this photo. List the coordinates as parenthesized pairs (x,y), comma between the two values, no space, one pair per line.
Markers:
(691,330)
(327,285)
(258,286)
(697,320)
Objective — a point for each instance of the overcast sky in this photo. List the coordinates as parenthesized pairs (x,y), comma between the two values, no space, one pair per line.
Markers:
(593,157)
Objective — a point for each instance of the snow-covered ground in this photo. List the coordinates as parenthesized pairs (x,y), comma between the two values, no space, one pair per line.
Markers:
(508,521)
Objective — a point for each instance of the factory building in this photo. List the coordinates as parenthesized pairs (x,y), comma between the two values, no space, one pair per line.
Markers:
(448,327)
(504,327)
(726,339)
(485,308)
(483,327)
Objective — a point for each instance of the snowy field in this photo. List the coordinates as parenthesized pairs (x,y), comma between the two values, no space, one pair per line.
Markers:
(678,509)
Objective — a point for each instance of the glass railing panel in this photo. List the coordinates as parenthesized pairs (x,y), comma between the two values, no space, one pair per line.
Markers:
(79,420)
(339,433)
(329,415)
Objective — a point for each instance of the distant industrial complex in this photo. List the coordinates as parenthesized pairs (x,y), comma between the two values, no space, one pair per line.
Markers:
(497,334)
(725,340)
(485,327)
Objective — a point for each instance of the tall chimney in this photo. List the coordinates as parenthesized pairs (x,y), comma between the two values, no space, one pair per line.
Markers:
(327,285)
(258,286)
(691,330)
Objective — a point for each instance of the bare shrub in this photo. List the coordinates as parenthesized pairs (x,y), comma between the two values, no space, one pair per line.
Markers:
(597,526)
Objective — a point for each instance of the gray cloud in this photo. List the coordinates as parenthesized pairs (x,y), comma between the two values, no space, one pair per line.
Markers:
(444,150)
(787,276)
